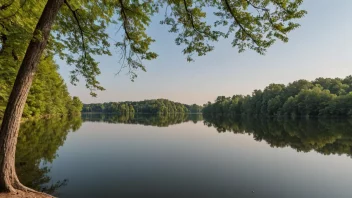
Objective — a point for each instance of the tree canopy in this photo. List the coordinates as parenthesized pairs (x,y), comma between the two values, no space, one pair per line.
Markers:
(158,106)
(80,32)
(48,94)
(320,97)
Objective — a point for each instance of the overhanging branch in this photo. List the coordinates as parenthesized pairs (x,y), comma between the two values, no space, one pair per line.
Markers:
(74,12)
(190,15)
(125,20)
(228,7)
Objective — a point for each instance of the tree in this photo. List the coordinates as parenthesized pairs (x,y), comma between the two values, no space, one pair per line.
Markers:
(300,98)
(48,94)
(158,106)
(11,121)
(75,106)
(254,24)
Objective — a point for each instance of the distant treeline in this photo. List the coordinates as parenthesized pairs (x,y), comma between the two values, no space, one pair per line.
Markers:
(158,106)
(321,97)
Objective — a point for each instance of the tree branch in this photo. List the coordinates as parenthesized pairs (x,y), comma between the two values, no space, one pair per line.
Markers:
(190,16)
(124,18)
(239,24)
(263,9)
(257,7)
(74,12)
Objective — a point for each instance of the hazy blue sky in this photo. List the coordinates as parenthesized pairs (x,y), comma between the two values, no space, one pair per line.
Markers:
(321,47)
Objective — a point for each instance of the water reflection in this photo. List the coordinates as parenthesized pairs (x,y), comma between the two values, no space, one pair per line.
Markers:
(326,136)
(186,161)
(143,119)
(38,143)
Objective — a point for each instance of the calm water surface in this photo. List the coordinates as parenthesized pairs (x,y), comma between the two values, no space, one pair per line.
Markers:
(186,157)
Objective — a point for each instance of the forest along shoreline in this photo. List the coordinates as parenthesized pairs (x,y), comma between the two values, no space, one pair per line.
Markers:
(322,97)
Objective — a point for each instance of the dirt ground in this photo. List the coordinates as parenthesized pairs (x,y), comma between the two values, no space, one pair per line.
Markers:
(21,194)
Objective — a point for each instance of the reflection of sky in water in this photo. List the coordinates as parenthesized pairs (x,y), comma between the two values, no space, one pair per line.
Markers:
(190,161)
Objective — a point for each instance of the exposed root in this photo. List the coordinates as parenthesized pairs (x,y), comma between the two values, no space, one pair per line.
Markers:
(11,186)
(18,190)
(22,194)
(19,186)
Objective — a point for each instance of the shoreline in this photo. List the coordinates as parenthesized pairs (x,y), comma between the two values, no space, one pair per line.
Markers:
(22,194)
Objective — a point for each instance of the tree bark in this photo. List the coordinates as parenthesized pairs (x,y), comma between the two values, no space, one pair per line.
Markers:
(10,125)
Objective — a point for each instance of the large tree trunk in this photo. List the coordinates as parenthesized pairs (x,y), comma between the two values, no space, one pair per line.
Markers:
(13,113)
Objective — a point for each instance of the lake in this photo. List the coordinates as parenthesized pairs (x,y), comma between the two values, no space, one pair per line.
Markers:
(184,156)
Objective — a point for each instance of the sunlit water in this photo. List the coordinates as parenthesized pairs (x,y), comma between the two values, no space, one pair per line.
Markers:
(133,157)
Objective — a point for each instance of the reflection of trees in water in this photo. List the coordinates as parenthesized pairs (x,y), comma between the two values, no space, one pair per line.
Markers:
(326,136)
(144,119)
(37,145)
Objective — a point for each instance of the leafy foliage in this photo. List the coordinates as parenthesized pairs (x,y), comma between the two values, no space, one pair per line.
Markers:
(158,106)
(321,97)
(48,94)
(80,31)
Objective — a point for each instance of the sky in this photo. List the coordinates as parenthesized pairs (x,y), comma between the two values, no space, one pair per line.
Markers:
(321,47)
